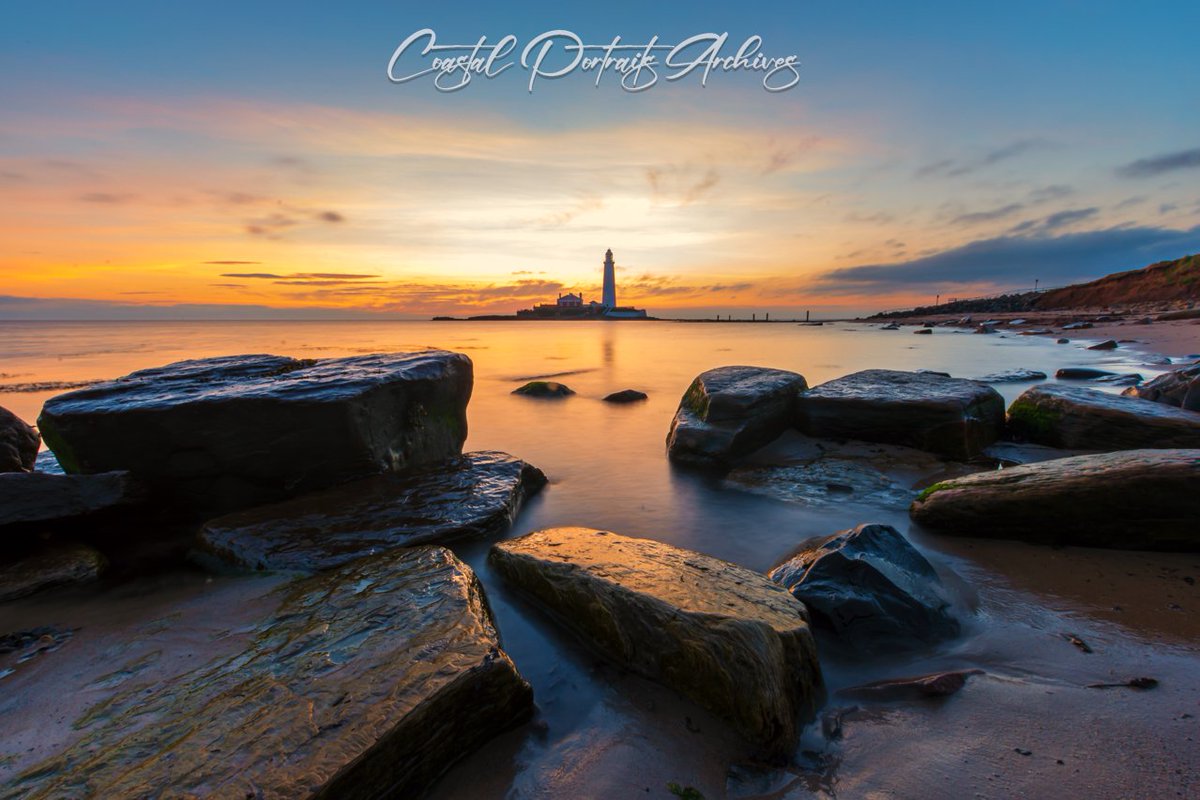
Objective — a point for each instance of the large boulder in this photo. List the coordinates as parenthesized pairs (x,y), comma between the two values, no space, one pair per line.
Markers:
(19,443)
(46,497)
(722,635)
(478,494)
(730,412)
(1076,417)
(52,566)
(952,417)
(224,433)
(366,682)
(1179,388)
(1134,500)
(871,588)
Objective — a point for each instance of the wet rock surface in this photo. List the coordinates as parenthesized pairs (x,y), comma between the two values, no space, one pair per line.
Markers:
(729,412)
(53,566)
(223,433)
(478,494)
(871,588)
(44,497)
(1082,373)
(722,635)
(1135,500)
(1179,388)
(366,682)
(823,482)
(951,417)
(1076,417)
(19,443)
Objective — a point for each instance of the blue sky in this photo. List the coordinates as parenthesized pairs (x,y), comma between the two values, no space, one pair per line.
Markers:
(141,142)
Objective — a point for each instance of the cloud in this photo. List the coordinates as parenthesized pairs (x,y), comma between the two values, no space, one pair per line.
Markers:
(1052,222)
(1158,165)
(301,276)
(680,184)
(1012,260)
(231,263)
(330,216)
(951,168)
(1053,192)
(987,216)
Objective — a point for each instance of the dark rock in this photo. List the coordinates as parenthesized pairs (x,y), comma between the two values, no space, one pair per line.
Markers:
(223,433)
(1132,500)
(1062,341)
(19,443)
(625,396)
(932,372)
(42,496)
(890,327)
(1013,376)
(1179,388)
(477,494)
(720,634)
(952,417)
(1036,332)
(938,684)
(1127,379)
(544,389)
(368,682)
(823,481)
(923,330)
(54,566)
(985,328)
(1082,373)
(729,412)
(1109,344)
(1075,417)
(871,588)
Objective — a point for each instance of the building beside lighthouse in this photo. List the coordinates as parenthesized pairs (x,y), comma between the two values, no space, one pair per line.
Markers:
(573,306)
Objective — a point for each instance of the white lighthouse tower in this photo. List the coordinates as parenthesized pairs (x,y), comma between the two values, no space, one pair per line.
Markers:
(609,297)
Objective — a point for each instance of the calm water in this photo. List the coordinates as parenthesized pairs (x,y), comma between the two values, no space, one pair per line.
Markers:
(606,463)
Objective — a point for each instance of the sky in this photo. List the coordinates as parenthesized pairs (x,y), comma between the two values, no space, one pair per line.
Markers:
(229,160)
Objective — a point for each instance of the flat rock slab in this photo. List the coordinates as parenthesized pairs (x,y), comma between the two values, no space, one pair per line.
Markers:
(224,433)
(367,682)
(871,588)
(1013,376)
(19,443)
(824,482)
(53,566)
(45,497)
(1131,500)
(477,494)
(730,412)
(952,417)
(1076,417)
(722,635)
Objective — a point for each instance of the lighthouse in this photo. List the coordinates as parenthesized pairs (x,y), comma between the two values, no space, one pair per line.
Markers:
(609,297)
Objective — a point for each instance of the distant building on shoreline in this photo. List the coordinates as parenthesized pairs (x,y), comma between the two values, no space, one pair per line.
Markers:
(572,306)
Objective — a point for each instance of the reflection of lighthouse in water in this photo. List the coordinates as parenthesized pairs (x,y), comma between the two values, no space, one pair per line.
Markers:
(609,298)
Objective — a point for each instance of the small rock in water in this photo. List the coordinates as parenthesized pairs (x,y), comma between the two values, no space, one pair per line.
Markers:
(1128,379)
(1082,373)
(1110,344)
(544,389)
(938,684)
(923,330)
(1080,643)
(625,396)
(1133,683)
(1013,376)
(1062,341)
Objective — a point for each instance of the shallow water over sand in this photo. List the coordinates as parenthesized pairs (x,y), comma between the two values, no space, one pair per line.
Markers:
(600,733)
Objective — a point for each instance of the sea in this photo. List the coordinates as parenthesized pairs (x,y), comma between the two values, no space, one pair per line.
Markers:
(607,468)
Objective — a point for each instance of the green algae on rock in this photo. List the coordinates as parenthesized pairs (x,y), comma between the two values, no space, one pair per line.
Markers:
(477,494)
(366,682)
(217,434)
(1133,500)
(1088,419)
(722,635)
